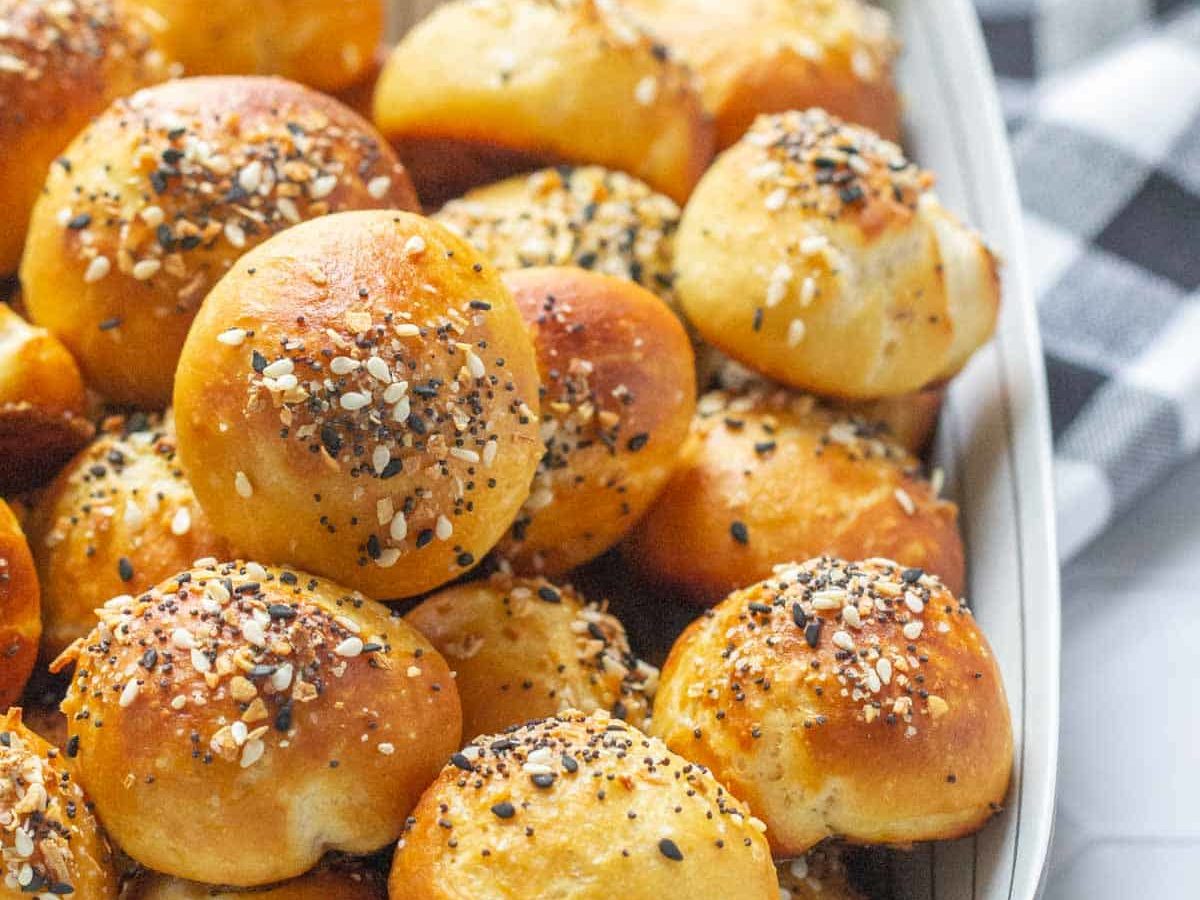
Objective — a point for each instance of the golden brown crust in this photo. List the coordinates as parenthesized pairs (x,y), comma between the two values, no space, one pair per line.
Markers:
(60,64)
(51,840)
(545,79)
(359,396)
(769,56)
(820,874)
(326,883)
(769,476)
(579,805)
(814,253)
(118,520)
(165,191)
(524,648)
(852,699)
(585,216)
(20,609)
(616,400)
(327,44)
(42,420)
(237,699)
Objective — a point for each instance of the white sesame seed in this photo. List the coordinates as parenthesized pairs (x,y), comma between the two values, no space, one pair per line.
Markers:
(850,616)
(413,672)
(288,209)
(380,457)
(378,186)
(322,186)
(943,627)
(23,843)
(349,624)
(239,731)
(235,235)
(884,667)
(181,522)
(414,246)
(378,369)
(130,693)
(252,752)
(256,571)
(281,678)
(828,599)
(464,454)
(350,647)
(912,630)
(808,291)
(401,410)
(178,702)
(873,682)
(905,501)
(814,243)
(398,528)
(843,640)
(250,176)
(913,602)
(343,365)
(146,269)
(475,365)
(796,331)
(152,215)
(777,287)
(182,638)
(646,91)
(387,749)
(388,558)
(489,452)
(352,400)
(97,269)
(282,366)
(253,632)
(776,199)
(384,510)
(200,661)
(242,485)
(443,529)
(937,481)
(232,337)
(407,329)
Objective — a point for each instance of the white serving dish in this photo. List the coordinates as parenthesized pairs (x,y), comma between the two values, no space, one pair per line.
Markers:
(994,444)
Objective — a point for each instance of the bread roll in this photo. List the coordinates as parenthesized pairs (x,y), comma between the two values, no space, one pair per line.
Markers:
(769,56)
(480,90)
(359,397)
(524,648)
(321,884)
(582,807)
(767,477)
(617,397)
(20,609)
(585,216)
(52,844)
(820,874)
(166,190)
(118,520)
(814,253)
(237,721)
(61,62)
(42,420)
(327,44)
(850,699)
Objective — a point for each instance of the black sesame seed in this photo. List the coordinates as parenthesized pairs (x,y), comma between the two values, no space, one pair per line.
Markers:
(72,745)
(392,469)
(758,319)
(462,762)
(543,779)
(125,569)
(149,659)
(281,611)
(110,324)
(851,193)
(911,576)
(424,538)
(331,440)
(812,633)
(374,550)
(798,615)
(283,718)
(549,594)
(670,850)
(465,559)
(740,532)
(480,304)
(83,220)
(504,810)
(638,441)
(257,361)
(760,607)
(569,764)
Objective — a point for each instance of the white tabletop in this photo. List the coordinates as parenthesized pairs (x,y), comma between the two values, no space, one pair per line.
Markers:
(1128,823)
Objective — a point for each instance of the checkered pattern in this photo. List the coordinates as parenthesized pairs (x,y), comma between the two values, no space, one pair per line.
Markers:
(1103,99)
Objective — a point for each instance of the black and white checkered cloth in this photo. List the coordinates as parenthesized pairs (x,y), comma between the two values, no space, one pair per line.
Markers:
(1103,100)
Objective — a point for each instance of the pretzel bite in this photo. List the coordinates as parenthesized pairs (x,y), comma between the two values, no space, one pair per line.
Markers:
(524,648)
(850,699)
(327,44)
(582,807)
(617,396)
(769,56)
(531,82)
(52,846)
(814,253)
(164,191)
(118,520)
(237,721)
(325,883)
(585,216)
(61,62)
(769,476)
(820,874)
(20,608)
(359,397)
(42,420)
